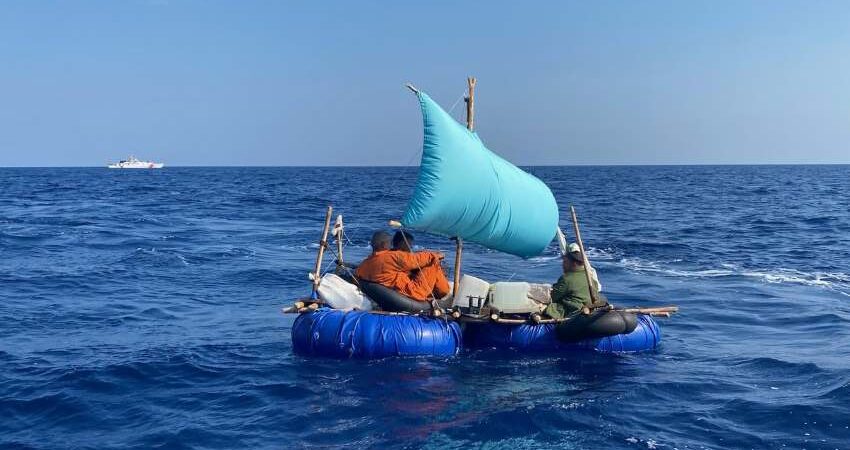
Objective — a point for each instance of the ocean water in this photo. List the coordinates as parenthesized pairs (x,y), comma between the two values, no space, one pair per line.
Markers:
(141,309)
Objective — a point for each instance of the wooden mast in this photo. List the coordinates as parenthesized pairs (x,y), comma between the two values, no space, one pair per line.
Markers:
(458,256)
(470,124)
(470,104)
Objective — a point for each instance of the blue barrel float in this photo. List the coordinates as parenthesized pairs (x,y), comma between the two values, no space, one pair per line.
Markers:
(363,335)
(543,338)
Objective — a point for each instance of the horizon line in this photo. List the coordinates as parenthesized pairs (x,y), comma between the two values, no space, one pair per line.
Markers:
(406,166)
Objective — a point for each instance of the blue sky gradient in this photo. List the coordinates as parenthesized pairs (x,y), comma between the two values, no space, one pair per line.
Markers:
(321,83)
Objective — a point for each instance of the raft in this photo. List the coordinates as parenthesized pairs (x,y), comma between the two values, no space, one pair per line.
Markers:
(466,191)
(543,338)
(364,335)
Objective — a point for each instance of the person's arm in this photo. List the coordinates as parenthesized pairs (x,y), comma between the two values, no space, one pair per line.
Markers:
(361,272)
(412,261)
(555,311)
(559,291)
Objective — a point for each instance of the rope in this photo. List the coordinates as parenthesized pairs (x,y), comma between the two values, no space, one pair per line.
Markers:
(419,150)
(347,269)
(394,182)
(462,95)
(329,262)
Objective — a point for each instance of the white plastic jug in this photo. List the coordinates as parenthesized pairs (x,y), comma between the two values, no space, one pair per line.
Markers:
(340,294)
(513,297)
(472,294)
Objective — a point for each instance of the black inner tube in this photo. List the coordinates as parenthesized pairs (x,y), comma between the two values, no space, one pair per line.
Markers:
(390,300)
(596,325)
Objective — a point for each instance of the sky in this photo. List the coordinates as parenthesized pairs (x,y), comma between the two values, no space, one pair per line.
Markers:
(83,83)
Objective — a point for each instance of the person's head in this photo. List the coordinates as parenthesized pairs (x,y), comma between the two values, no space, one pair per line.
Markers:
(380,241)
(402,240)
(573,260)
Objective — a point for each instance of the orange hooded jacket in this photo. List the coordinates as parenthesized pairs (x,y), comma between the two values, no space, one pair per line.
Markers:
(392,269)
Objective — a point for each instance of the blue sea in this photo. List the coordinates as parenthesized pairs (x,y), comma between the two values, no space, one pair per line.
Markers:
(141,309)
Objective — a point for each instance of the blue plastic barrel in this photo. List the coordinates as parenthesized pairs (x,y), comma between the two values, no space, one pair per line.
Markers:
(543,338)
(358,334)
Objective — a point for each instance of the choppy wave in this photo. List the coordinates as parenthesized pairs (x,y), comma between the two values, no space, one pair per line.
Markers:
(837,281)
(609,257)
(154,256)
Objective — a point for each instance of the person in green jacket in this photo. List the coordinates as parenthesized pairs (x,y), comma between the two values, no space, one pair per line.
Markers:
(570,293)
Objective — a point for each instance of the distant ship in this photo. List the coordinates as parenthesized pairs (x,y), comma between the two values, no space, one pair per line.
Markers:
(133,163)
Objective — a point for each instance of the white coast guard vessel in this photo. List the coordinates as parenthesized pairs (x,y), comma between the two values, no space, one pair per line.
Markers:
(133,163)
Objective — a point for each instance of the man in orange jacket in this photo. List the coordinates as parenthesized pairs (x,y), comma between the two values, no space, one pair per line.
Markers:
(393,269)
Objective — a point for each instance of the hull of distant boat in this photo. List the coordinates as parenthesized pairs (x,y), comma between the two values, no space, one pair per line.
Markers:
(137,166)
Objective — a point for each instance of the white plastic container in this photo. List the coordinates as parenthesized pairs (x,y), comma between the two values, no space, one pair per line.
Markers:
(472,294)
(340,294)
(513,298)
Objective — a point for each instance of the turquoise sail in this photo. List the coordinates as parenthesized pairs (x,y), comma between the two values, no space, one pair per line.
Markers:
(466,190)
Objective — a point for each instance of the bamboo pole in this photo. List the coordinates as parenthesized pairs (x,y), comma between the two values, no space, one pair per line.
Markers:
(458,257)
(470,125)
(339,251)
(322,244)
(310,308)
(583,256)
(470,104)
(339,230)
(665,311)
(658,310)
